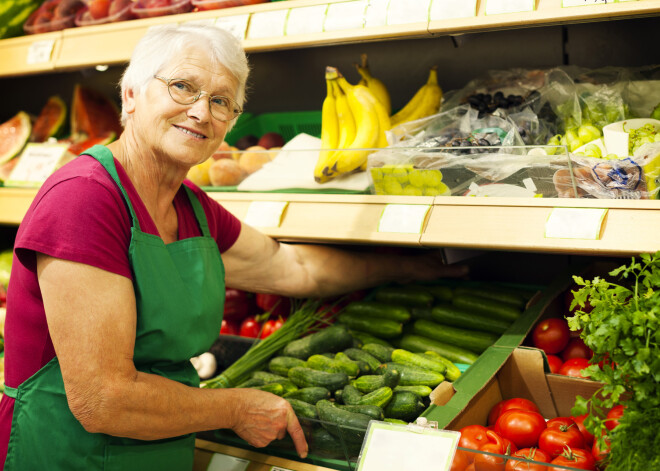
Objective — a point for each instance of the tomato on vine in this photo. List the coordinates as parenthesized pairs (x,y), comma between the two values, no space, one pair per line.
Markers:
(561,434)
(522,427)
(532,454)
(574,458)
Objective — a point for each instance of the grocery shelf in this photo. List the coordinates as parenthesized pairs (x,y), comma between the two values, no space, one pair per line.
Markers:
(82,47)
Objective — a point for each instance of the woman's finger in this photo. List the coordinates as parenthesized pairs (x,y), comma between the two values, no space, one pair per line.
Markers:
(297,434)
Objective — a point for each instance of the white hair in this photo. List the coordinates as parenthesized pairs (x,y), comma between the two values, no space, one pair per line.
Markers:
(160,44)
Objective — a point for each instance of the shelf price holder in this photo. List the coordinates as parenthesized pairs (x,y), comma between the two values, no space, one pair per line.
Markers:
(495,7)
(428,447)
(578,3)
(36,163)
(221,462)
(265,213)
(40,52)
(575,223)
(451,9)
(403,218)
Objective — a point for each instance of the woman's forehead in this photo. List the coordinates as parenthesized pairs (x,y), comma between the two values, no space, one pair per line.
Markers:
(194,63)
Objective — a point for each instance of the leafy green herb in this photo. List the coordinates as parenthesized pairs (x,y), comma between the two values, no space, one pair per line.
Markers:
(623,330)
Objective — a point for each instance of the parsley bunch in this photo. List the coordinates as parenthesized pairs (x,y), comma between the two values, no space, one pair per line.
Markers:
(623,330)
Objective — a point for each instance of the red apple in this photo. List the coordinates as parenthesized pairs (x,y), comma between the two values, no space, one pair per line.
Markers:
(271,139)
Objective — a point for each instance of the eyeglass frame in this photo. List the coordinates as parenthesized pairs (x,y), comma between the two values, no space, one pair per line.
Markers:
(238,109)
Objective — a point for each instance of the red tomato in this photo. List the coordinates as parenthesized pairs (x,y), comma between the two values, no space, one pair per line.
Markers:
(613,416)
(575,458)
(522,427)
(497,445)
(250,327)
(228,328)
(278,306)
(270,326)
(576,348)
(598,454)
(558,435)
(555,363)
(588,436)
(238,305)
(470,467)
(99,8)
(574,367)
(461,460)
(551,335)
(473,437)
(508,404)
(532,454)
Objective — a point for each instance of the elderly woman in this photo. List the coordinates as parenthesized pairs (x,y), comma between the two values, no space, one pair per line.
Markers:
(119,278)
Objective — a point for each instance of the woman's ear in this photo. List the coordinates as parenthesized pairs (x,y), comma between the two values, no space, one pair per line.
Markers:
(128,100)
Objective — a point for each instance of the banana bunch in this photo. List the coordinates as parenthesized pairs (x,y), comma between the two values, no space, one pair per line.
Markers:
(353,120)
(425,102)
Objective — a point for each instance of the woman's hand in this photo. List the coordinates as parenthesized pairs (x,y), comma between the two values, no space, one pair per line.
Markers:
(266,417)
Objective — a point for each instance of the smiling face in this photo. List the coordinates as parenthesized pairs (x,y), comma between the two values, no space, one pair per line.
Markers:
(184,135)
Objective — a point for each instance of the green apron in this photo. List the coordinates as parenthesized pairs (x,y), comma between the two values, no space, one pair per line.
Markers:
(179,291)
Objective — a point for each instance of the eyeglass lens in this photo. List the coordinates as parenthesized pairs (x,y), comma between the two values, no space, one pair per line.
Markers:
(184,93)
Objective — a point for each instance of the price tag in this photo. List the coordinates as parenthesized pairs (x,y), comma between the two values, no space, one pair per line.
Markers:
(39,52)
(401,12)
(36,164)
(495,7)
(305,20)
(575,223)
(204,21)
(345,15)
(220,462)
(265,213)
(237,25)
(277,468)
(376,14)
(267,24)
(578,3)
(429,448)
(403,218)
(449,9)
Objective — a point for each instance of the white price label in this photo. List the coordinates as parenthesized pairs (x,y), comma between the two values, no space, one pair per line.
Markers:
(306,20)
(265,213)
(203,22)
(277,468)
(403,218)
(401,12)
(579,3)
(575,223)
(36,164)
(345,15)
(495,7)
(376,14)
(237,25)
(39,52)
(267,24)
(220,462)
(450,9)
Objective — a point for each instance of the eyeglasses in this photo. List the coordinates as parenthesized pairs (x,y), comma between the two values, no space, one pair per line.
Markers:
(184,92)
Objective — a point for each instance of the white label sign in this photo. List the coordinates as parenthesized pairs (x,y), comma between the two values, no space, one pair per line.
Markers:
(403,218)
(220,462)
(401,12)
(345,15)
(265,213)
(579,3)
(39,52)
(575,223)
(267,24)
(237,25)
(305,20)
(277,468)
(376,14)
(36,164)
(495,7)
(449,9)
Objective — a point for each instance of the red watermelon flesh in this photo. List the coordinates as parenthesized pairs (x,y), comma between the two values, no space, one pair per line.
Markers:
(50,120)
(93,114)
(13,136)
(78,147)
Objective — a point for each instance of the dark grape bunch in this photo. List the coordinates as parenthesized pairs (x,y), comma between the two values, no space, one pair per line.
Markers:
(456,138)
(487,103)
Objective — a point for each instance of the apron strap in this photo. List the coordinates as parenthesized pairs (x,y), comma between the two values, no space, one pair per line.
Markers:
(11,392)
(199,212)
(105,158)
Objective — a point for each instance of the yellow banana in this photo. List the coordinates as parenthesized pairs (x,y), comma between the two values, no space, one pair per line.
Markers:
(383,119)
(374,84)
(431,99)
(329,131)
(347,124)
(418,100)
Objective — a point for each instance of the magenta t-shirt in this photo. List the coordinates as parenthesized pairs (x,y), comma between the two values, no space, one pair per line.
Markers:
(79,214)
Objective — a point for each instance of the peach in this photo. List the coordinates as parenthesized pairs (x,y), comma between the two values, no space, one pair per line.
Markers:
(226,172)
(199,174)
(253,158)
(223,152)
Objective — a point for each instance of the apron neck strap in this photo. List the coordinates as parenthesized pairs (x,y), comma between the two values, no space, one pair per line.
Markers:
(199,212)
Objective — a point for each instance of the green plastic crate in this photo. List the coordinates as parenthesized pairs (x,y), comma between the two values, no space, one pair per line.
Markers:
(287,124)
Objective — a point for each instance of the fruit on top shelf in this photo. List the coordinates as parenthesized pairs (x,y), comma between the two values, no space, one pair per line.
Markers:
(153,8)
(53,15)
(105,11)
(14,15)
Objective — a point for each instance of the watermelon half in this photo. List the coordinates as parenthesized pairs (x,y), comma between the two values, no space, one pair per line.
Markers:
(93,114)
(14,134)
(50,121)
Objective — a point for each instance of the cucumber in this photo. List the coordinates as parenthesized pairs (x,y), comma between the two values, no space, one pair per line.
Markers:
(250,383)
(305,377)
(303,409)
(451,315)
(343,424)
(414,376)
(408,358)
(330,339)
(469,339)
(330,365)
(379,310)
(350,367)
(267,377)
(383,328)
(452,372)
(486,307)
(274,388)
(441,293)
(418,343)
(382,353)
(366,338)
(367,383)
(323,443)
(310,395)
(421,391)
(493,292)
(421,313)
(394,421)
(380,397)
(281,365)
(404,406)
(374,412)
(408,295)
(358,354)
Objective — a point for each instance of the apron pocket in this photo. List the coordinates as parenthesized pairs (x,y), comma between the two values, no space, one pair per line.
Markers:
(174,455)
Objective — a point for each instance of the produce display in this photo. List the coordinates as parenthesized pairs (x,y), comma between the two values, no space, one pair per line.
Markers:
(14,14)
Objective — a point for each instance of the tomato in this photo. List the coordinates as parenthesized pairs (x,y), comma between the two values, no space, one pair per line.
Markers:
(558,435)
(238,305)
(576,348)
(575,458)
(522,427)
(461,460)
(513,403)
(250,327)
(99,8)
(598,454)
(270,326)
(497,445)
(588,436)
(613,416)
(473,437)
(551,335)
(228,328)
(278,306)
(532,454)
(555,363)
(470,467)
(574,367)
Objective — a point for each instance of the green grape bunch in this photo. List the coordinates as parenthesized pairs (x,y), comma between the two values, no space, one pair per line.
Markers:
(647,134)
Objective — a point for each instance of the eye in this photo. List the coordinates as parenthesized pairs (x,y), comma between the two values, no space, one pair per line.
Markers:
(182,86)
(220,101)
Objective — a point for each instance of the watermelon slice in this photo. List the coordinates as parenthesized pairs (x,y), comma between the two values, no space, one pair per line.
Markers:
(50,120)
(80,146)
(92,114)
(13,136)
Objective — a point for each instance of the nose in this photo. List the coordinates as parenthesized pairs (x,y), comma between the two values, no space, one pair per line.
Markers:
(200,110)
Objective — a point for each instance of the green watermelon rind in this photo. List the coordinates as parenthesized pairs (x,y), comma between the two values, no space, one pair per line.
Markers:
(13,15)
(21,137)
